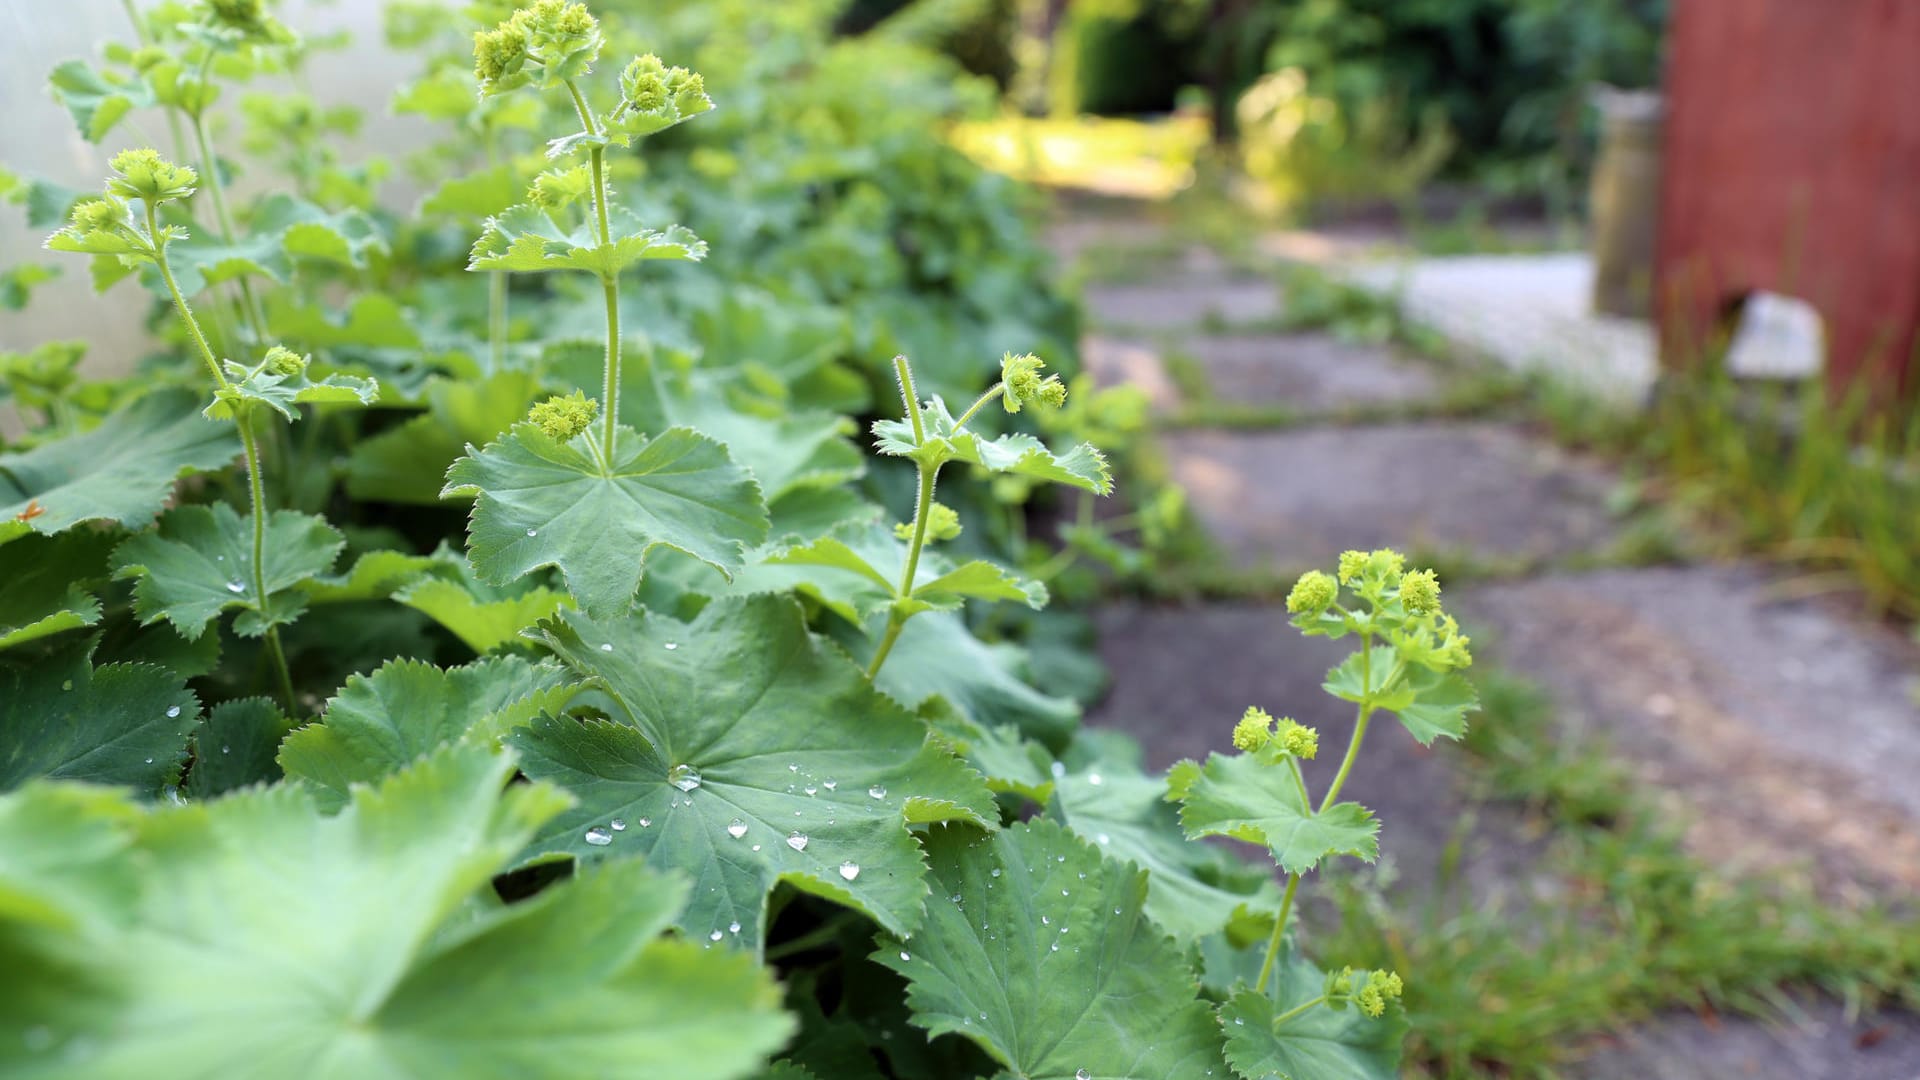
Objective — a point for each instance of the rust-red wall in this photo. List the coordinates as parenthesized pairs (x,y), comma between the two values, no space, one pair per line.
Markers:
(1791,163)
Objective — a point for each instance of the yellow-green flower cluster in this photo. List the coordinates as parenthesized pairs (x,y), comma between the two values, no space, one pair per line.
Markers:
(1380,564)
(1381,987)
(561,38)
(648,85)
(1254,730)
(1420,592)
(1314,593)
(144,174)
(1022,383)
(100,214)
(1298,739)
(561,418)
(557,188)
(942,524)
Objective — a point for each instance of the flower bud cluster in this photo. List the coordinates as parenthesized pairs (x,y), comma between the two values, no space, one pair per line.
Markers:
(144,174)
(283,361)
(560,39)
(561,418)
(943,523)
(648,85)
(1257,731)
(1022,383)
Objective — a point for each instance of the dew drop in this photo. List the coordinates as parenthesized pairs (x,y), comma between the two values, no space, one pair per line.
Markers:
(995,871)
(877,792)
(810,790)
(1044,921)
(798,841)
(829,784)
(618,824)
(149,761)
(684,777)
(733,928)
(235,587)
(1058,770)
(756,847)
(715,936)
(533,532)
(1104,839)
(599,837)
(1237,1022)
(791,767)
(1063,892)
(606,646)
(1082,1074)
(849,870)
(1094,779)
(173,711)
(1054,947)
(672,645)
(736,828)
(226,749)
(904,956)
(645,821)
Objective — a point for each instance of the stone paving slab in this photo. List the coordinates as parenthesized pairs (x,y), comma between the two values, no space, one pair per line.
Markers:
(1114,362)
(1312,374)
(1291,500)
(1785,734)
(1822,1045)
(1183,675)
(1182,300)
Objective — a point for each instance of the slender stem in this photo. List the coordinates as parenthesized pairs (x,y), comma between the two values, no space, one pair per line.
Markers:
(904,371)
(895,620)
(257,492)
(1298,1009)
(580,106)
(250,306)
(993,391)
(1300,780)
(1359,723)
(1279,931)
(610,393)
(179,301)
(496,289)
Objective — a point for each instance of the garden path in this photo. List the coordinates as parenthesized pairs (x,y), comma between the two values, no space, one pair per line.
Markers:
(1784,733)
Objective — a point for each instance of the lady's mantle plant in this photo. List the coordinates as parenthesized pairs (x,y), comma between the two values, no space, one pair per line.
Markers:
(729,783)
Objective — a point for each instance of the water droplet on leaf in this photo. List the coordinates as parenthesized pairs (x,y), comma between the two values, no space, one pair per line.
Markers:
(736,828)
(798,842)
(684,777)
(849,870)
(599,837)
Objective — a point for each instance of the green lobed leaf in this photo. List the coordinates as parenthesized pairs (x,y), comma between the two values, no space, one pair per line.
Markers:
(119,724)
(379,724)
(485,617)
(545,503)
(854,571)
(937,655)
(122,471)
(1125,814)
(235,747)
(266,939)
(61,857)
(1428,703)
(1083,466)
(1257,799)
(1008,762)
(96,101)
(199,562)
(746,752)
(526,238)
(45,590)
(1320,1042)
(1044,956)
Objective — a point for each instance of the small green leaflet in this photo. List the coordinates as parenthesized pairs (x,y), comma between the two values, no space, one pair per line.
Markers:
(746,752)
(282,231)
(525,238)
(262,938)
(96,102)
(408,463)
(380,723)
(855,570)
(475,195)
(1320,1042)
(122,471)
(1126,815)
(282,392)
(1429,703)
(1257,799)
(485,617)
(1044,956)
(547,503)
(1081,467)
(1009,762)
(46,587)
(118,724)
(199,562)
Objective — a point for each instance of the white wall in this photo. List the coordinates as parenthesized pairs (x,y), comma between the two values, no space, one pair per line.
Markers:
(38,138)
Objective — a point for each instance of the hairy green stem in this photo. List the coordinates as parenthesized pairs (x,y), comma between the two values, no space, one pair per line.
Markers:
(993,391)
(610,283)
(173,119)
(897,622)
(1359,723)
(496,288)
(904,372)
(257,492)
(210,168)
(243,420)
(1279,932)
(1298,1009)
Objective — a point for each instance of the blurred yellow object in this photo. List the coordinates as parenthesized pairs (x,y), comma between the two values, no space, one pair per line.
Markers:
(1132,158)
